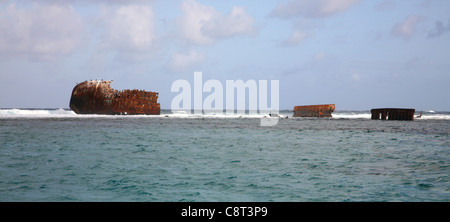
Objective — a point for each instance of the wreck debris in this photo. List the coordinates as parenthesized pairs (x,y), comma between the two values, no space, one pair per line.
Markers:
(97,97)
(393,114)
(314,110)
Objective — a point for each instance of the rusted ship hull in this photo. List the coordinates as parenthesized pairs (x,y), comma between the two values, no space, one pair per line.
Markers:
(314,110)
(393,114)
(97,97)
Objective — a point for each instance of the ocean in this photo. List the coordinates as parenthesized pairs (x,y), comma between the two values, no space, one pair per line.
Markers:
(49,155)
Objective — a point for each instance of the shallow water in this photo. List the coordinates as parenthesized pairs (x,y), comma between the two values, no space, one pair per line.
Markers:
(61,157)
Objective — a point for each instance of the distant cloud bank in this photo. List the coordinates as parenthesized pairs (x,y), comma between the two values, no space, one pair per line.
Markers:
(312,8)
(203,25)
(41,31)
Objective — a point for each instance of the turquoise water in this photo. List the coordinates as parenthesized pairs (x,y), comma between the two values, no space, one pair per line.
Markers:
(59,156)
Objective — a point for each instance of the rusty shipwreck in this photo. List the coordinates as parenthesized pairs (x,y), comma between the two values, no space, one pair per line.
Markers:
(324,110)
(393,114)
(97,97)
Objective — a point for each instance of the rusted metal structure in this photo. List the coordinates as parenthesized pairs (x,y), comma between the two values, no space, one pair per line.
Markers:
(314,110)
(393,114)
(97,97)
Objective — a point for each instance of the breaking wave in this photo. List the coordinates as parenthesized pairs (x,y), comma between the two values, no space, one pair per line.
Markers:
(67,113)
(36,113)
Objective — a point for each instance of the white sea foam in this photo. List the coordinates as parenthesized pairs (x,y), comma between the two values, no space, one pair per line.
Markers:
(434,116)
(35,113)
(66,113)
(351,115)
(222,116)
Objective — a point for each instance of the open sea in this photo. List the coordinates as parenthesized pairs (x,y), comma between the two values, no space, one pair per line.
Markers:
(49,155)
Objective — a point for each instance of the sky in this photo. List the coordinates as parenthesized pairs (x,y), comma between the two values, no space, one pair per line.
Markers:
(357,54)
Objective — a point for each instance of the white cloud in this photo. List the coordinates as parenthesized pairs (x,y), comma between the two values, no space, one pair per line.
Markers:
(128,28)
(406,29)
(180,61)
(203,25)
(237,22)
(312,8)
(309,10)
(40,31)
(194,18)
(296,37)
(90,1)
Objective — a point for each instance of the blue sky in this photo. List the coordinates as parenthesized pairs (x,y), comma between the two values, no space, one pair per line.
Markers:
(357,54)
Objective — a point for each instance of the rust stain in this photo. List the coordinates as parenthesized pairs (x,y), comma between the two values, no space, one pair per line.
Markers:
(97,97)
(324,110)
